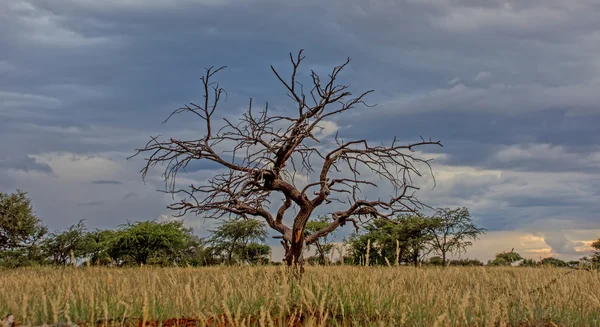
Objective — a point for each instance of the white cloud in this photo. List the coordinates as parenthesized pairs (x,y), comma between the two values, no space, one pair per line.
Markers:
(27,105)
(47,28)
(326,128)
(530,151)
(73,91)
(482,76)
(453,81)
(18,100)
(506,16)
(70,194)
(496,98)
(81,168)
(544,152)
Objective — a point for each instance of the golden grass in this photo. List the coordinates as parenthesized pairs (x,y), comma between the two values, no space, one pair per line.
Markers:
(328,296)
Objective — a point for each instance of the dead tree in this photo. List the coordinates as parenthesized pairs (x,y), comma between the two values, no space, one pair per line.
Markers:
(267,151)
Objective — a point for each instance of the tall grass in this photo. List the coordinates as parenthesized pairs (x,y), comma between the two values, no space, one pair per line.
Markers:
(328,296)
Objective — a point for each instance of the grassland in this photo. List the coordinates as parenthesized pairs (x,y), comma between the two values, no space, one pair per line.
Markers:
(327,296)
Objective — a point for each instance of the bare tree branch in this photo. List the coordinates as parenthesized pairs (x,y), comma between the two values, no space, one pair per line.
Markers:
(261,154)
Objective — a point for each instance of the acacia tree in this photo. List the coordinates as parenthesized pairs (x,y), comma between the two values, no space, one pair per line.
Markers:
(149,242)
(20,230)
(234,236)
(403,238)
(453,231)
(505,258)
(323,247)
(418,236)
(62,248)
(268,150)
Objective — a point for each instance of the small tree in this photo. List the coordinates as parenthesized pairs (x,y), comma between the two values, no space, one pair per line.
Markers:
(232,238)
(435,261)
(553,262)
(404,238)
(596,251)
(99,247)
(268,150)
(453,231)
(323,247)
(379,239)
(420,237)
(528,263)
(466,262)
(62,248)
(141,242)
(20,230)
(505,258)
(257,253)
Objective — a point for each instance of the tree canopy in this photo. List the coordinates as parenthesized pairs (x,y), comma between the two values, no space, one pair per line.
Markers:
(505,258)
(143,241)
(21,230)
(324,249)
(596,250)
(453,231)
(404,238)
(239,240)
(62,248)
(19,226)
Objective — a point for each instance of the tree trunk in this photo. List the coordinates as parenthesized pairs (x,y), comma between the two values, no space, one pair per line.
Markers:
(321,253)
(400,255)
(230,254)
(294,257)
(443,259)
(295,252)
(416,257)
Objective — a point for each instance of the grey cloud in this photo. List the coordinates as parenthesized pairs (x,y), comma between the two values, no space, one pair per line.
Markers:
(129,195)
(198,165)
(481,76)
(561,244)
(24,163)
(109,182)
(92,203)
(545,200)
(8,183)
(487,139)
(90,77)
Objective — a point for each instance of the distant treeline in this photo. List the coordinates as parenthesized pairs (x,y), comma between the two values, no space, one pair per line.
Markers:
(405,239)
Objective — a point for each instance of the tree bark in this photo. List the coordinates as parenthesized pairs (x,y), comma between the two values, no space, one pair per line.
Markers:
(294,257)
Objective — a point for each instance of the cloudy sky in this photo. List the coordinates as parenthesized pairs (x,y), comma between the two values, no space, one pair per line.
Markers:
(511,88)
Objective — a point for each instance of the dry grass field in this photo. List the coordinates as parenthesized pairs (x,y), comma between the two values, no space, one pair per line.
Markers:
(327,296)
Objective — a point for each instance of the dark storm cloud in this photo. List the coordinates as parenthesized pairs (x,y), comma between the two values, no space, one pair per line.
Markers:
(507,86)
